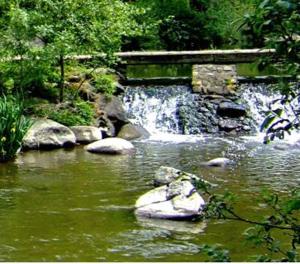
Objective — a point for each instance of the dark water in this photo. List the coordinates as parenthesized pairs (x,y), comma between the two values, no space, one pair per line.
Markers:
(180,70)
(76,206)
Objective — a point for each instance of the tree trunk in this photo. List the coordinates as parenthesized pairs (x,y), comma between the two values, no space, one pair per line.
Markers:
(62,78)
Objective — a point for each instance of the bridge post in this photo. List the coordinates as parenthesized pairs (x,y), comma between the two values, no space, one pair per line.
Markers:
(214,79)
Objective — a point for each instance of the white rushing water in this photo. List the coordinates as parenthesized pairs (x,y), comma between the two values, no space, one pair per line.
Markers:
(157,110)
(260,99)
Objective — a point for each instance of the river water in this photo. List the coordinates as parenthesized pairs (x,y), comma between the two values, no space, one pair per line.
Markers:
(77,206)
(71,205)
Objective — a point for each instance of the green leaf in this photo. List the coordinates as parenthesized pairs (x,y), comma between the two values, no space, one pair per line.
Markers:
(292,205)
(267,122)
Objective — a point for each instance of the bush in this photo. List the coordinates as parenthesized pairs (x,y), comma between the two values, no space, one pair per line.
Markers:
(69,113)
(105,84)
(74,114)
(13,127)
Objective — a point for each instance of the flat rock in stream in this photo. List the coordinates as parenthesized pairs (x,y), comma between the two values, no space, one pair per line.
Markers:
(177,200)
(111,146)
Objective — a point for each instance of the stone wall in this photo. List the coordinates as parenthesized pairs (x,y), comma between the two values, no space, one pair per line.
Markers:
(214,79)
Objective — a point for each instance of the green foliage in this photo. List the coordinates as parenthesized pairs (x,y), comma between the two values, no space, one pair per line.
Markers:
(68,113)
(105,84)
(40,35)
(13,127)
(73,114)
(275,23)
(283,217)
(216,253)
(194,24)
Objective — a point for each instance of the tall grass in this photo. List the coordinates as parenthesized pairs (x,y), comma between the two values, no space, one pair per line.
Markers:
(13,127)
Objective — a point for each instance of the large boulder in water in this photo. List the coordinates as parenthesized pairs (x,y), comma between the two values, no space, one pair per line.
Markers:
(111,146)
(177,200)
(130,131)
(48,134)
(86,134)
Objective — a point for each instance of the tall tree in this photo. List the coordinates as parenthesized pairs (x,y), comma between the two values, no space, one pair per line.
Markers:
(66,27)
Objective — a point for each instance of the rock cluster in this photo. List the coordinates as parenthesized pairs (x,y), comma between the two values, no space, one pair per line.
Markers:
(111,116)
(48,134)
(176,199)
(214,114)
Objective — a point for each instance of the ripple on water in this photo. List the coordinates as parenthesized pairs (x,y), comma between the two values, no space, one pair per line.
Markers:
(156,250)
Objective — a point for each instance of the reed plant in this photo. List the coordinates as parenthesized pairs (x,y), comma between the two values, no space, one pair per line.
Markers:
(13,127)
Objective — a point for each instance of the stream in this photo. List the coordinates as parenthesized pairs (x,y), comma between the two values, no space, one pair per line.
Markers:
(77,206)
(71,205)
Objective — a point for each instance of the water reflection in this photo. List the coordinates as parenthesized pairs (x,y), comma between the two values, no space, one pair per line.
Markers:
(77,206)
(173,226)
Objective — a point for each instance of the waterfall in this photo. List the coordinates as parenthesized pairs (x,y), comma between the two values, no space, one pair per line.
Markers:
(175,110)
(162,111)
(260,98)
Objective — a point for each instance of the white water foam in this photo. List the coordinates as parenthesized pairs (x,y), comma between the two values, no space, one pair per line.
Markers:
(156,109)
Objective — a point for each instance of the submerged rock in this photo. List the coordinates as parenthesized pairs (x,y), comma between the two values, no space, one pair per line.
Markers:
(86,134)
(177,226)
(218,162)
(111,146)
(48,134)
(178,200)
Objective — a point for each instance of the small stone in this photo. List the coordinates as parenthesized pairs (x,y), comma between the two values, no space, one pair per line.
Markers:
(218,162)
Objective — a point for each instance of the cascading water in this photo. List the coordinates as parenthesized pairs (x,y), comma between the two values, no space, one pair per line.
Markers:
(175,110)
(155,108)
(260,99)
(159,110)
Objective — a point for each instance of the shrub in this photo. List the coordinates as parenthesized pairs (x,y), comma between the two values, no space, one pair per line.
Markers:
(105,84)
(13,127)
(74,114)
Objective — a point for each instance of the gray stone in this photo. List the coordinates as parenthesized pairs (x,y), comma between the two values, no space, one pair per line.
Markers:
(130,131)
(166,175)
(231,109)
(86,134)
(48,134)
(111,146)
(218,162)
(178,201)
(228,125)
(113,109)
